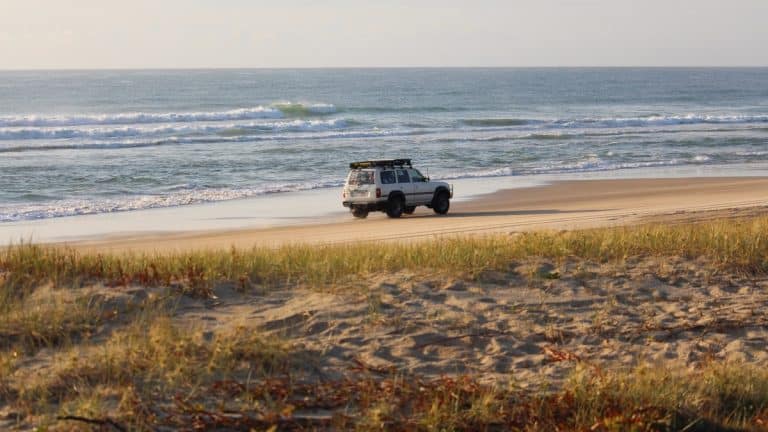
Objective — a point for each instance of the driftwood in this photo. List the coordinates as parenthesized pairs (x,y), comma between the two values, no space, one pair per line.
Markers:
(100,422)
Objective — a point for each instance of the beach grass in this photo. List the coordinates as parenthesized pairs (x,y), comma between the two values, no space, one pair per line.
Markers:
(148,362)
(736,245)
(153,373)
(139,369)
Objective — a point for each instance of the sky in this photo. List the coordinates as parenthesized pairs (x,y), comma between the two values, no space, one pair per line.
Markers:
(88,34)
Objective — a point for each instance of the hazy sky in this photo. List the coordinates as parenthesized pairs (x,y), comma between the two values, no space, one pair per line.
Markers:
(326,33)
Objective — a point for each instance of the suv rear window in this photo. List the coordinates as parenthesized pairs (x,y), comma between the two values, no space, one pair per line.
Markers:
(361,178)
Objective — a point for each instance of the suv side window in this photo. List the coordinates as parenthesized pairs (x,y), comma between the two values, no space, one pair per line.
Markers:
(402,176)
(387,177)
(416,176)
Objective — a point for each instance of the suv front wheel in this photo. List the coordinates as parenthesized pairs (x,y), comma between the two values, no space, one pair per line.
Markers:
(395,206)
(441,203)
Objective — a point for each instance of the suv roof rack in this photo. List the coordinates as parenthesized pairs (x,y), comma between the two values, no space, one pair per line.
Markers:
(381,163)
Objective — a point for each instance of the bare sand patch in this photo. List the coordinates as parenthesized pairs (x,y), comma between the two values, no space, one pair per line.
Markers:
(527,327)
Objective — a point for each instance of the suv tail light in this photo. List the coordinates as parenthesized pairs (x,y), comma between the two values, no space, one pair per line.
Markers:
(378,192)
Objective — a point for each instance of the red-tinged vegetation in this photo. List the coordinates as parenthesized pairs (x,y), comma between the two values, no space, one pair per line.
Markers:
(365,402)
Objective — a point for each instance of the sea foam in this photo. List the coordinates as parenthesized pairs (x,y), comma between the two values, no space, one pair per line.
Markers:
(76,207)
(276,111)
(297,125)
(611,122)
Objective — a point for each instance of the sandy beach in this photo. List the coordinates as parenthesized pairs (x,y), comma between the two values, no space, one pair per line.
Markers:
(560,205)
(522,321)
(535,323)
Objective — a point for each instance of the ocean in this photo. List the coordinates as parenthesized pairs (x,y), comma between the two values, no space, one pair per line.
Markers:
(89,142)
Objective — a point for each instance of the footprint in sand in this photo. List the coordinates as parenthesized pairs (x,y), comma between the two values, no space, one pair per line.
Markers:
(289,322)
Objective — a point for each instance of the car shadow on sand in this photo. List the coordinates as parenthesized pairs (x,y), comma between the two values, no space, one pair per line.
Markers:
(459,214)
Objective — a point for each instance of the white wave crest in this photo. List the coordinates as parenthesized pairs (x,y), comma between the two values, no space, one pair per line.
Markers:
(493,172)
(134,142)
(594,164)
(590,164)
(669,120)
(752,153)
(276,111)
(134,131)
(609,122)
(74,207)
(702,158)
(258,112)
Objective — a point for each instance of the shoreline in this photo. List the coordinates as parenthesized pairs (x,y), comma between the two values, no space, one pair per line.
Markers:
(311,207)
(570,204)
(300,207)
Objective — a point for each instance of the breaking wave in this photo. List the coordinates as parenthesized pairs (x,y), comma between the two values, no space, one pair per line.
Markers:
(617,122)
(590,164)
(497,122)
(177,140)
(75,207)
(275,111)
(134,131)
(669,120)
(595,164)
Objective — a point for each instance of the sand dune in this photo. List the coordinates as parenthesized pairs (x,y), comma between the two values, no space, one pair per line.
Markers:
(528,326)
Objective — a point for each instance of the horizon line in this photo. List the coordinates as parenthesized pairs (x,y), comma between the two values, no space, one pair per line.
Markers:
(199,68)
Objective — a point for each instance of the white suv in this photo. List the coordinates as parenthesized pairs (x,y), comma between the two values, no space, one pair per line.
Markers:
(392,186)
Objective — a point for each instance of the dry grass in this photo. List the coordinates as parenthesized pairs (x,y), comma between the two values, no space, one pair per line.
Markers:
(740,245)
(144,372)
(147,368)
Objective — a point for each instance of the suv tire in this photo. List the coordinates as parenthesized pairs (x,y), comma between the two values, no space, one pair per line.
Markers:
(395,206)
(360,212)
(441,203)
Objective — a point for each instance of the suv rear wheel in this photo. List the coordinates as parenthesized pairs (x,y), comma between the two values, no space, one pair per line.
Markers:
(395,206)
(360,212)
(441,203)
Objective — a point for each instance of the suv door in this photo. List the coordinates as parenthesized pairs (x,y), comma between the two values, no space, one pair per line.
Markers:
(404,182)
(422,189)
(388,182)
